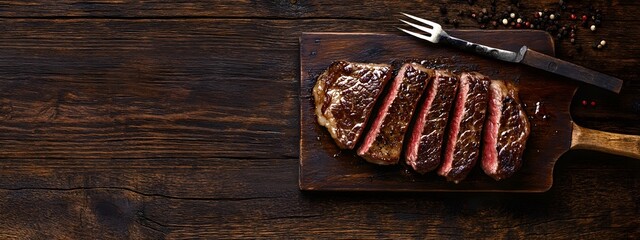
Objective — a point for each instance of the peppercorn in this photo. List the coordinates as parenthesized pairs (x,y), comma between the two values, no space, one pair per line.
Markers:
(603,42)
(512,15)
(593,28)
(505,21)
(552,16)
(593,103)
(584,102)
(573,16)
(456,23)
(584,17)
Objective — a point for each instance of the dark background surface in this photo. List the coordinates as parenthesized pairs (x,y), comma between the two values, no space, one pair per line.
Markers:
(127,119)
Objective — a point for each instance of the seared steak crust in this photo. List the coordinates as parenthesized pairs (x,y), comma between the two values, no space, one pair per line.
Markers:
(463,146)
(345,95)
(424,148)
(383,143)
(505,133)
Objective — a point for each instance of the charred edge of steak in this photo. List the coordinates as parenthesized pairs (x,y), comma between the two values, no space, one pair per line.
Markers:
(384,141)
(424,148)
(465,128)
(345,95)
(506,132)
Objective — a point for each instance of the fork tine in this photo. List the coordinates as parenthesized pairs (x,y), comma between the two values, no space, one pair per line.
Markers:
(425,21)
(418,35)
(435,32)
(424,29)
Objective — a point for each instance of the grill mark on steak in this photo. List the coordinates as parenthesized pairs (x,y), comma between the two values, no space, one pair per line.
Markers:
(463,145)
(424,148)
(506,131)
(383,143)
(345,95)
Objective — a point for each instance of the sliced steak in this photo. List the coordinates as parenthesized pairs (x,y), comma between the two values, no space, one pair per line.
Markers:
(464,136)
(383,143)
(505,131)
(345,95)
(424,147)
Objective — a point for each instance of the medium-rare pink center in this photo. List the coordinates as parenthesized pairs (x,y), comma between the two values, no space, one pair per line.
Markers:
(414,140)
(377,123)
(455,127)
(491,130)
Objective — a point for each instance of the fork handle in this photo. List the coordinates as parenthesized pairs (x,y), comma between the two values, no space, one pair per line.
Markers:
(570,70)
(480,49)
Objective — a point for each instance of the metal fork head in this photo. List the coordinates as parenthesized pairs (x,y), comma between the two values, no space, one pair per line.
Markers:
(433,30)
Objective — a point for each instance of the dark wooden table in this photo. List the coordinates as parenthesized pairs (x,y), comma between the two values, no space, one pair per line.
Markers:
(129,119)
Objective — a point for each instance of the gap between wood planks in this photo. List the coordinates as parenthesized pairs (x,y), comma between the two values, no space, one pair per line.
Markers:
(231,199)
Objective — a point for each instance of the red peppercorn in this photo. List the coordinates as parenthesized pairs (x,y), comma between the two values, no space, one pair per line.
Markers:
(593,103)
(584,17)
(518,25)
(573,17)
(584,102)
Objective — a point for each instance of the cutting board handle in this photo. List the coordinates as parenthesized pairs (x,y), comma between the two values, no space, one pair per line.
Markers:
(614,143)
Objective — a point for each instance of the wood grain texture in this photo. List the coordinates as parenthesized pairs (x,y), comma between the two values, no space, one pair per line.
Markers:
(153,120)
(546,99)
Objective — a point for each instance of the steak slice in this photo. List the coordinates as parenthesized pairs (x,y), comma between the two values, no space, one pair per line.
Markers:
(383,143)
(463,144)
(344,97)
(424,147)
(505,132)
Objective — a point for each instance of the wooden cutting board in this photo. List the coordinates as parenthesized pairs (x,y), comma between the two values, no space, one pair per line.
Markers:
(323,166)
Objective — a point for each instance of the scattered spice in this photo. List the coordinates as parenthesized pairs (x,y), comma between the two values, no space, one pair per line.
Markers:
(562,22)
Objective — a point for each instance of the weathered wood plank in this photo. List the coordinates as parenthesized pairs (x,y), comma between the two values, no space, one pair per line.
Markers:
(377,9)
(607,208)
(145,128)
